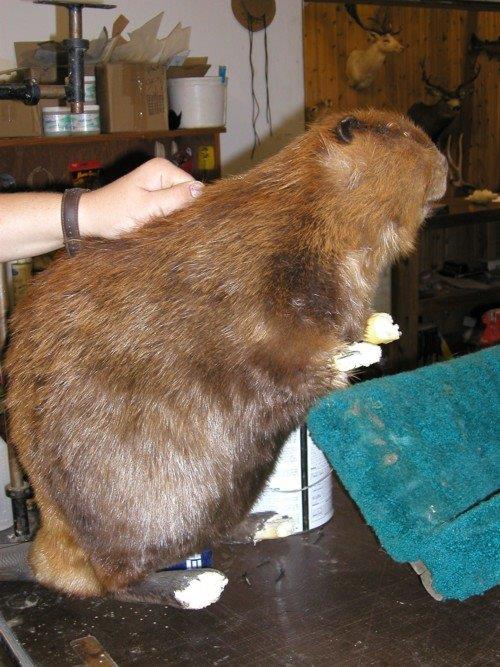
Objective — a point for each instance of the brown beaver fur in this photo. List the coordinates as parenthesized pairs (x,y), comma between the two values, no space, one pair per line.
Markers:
(153,379)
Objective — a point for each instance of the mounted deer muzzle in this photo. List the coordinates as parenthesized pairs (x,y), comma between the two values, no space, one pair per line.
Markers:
(435,118)
(363,64)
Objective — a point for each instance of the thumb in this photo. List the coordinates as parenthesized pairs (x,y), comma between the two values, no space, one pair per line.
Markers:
(165,201)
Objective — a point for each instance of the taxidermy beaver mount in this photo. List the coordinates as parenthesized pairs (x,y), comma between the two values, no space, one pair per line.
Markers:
(154,378)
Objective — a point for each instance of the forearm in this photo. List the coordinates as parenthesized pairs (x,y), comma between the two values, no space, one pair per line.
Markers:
(30,224)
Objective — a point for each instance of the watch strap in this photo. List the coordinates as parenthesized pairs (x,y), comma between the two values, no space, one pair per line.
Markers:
(69,219)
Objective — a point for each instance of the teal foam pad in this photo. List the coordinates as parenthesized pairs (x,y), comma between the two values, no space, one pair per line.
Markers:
(419,453)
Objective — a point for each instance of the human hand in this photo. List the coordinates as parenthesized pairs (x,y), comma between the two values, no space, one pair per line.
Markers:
(156,188)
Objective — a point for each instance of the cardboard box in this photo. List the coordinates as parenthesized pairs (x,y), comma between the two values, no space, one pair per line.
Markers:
(19,120)
(174,72)
(42,62)
(132,97)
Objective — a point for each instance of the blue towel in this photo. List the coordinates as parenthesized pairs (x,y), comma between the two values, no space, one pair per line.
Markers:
(419,453)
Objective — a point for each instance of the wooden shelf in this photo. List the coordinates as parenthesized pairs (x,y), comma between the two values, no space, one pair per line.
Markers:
(461,212)
(459,225)
(107,138)
(468,298)
(41,163)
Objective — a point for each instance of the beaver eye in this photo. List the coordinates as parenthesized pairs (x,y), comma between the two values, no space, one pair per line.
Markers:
(345,128)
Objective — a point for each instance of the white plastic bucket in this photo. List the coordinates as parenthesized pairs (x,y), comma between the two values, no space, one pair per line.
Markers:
(301,484)
(200,99)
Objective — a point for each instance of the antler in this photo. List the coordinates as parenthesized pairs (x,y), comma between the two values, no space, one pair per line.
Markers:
(463,86)
(428,82)
(381,23)
(475,44)
(352,10)
(380,26)
(455,167)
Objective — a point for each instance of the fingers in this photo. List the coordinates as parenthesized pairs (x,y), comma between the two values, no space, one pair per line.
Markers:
(155,188)
(168,200)
(159,173)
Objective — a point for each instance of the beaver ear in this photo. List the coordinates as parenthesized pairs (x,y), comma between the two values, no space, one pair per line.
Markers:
(345,128)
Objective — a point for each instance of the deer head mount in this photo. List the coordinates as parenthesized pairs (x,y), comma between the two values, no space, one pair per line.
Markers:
(435,118)
(490,47)
(363,64)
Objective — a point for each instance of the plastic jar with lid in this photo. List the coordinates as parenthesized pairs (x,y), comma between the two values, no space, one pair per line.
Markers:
(87,122)
(90,89)
(56,121)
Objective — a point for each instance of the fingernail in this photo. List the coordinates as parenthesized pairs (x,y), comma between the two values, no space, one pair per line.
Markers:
(196,189)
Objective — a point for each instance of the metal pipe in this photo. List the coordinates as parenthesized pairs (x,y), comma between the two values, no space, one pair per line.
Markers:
(27,92)
(16,473)
(18,491)
(75,21)
(52,92)
(30,92)
(76,47)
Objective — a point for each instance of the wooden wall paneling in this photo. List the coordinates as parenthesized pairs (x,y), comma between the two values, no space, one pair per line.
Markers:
(327,52)
(469,110)
(347,40)
(309,44)
(485,130)
(441,38)
(429,34)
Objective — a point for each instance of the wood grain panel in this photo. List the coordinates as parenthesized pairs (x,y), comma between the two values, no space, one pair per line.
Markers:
(485,125)
(441,38)
(330,34)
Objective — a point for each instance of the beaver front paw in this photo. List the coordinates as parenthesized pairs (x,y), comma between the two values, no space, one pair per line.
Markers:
(381,329)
